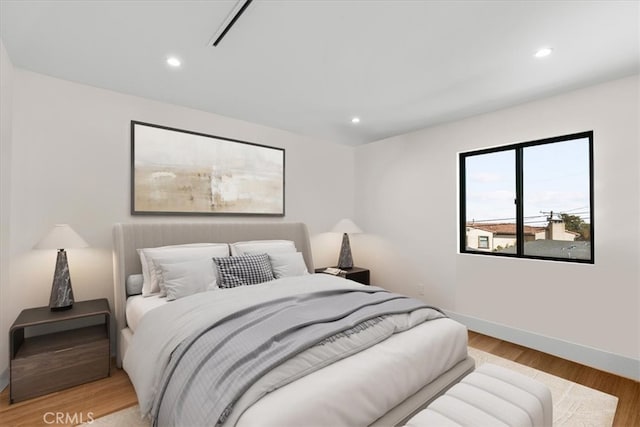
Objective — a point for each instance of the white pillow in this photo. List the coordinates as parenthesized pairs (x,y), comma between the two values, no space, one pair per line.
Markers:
(148,273)
(178,253)
(288,264)
(164,261)
(181,279)
(255,247)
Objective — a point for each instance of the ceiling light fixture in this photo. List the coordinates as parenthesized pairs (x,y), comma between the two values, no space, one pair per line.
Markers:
(355,120)
(173,61)
(542,52)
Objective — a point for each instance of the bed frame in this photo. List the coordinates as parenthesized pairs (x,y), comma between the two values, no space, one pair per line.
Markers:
(132,236)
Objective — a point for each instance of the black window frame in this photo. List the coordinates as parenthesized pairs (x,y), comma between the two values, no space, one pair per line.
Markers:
(519,149)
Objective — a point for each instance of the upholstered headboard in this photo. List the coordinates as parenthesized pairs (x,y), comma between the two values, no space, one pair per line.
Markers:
(127,238)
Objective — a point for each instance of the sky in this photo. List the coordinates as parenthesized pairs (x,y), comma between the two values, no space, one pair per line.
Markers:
(556,178)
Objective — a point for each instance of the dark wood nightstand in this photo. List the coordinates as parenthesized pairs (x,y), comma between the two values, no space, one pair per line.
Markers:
(49,362)
(357,274)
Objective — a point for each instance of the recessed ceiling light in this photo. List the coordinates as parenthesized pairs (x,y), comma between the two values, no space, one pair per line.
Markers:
(355,120)
(173,61)
(542,52)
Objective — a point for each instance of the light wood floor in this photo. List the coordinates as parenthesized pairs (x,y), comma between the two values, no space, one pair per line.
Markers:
(73,406)
(89,401)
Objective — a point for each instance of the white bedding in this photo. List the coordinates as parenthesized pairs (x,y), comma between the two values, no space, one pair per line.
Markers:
(138,306)
(353,391)
(361,388)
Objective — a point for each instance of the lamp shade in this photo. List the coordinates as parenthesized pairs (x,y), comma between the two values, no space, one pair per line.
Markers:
(345,225)
(61,236)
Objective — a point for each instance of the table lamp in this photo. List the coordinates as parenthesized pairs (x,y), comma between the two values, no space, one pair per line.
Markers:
(61,237)
(345,226)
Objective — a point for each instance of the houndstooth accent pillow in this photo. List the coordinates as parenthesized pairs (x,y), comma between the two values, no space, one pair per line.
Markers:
(243,270)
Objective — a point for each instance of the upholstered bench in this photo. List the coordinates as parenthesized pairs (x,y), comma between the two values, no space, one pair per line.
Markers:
(490,396)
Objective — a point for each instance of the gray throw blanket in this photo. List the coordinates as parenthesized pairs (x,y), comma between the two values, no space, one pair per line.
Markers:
(210,370)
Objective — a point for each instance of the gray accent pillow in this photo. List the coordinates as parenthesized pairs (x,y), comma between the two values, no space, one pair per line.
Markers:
(243,270)
(134,284)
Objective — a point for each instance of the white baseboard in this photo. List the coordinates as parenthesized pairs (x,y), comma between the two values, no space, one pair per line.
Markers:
(599,359)
(4,379)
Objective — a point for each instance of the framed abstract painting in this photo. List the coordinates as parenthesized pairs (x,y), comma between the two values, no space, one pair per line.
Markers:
(179,172)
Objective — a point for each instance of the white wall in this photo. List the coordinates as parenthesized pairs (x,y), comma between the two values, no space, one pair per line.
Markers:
(6,91)
(71,164)
(406,195)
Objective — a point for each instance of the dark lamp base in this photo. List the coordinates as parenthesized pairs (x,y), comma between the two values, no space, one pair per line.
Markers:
(61,291)
(345,261)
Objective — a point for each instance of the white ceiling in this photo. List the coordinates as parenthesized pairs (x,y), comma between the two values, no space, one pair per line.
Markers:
(310,66)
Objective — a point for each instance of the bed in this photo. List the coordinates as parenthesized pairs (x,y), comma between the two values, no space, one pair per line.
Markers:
(382,385)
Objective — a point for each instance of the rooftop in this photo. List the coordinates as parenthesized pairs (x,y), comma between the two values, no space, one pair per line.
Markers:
(506,228)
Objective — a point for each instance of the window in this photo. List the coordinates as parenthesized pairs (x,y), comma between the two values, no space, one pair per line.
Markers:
(529,200)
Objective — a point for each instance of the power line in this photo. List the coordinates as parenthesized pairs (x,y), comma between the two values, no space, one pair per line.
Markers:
(582,215)
(575,209)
